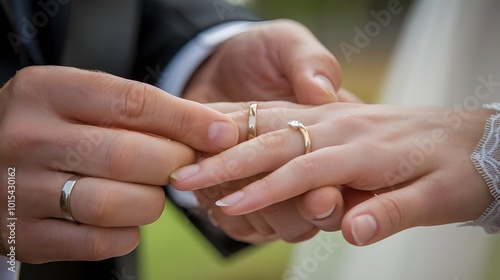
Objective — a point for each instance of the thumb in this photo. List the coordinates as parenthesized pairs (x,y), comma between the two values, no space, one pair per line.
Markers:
(312,69)
(389,213)
(315,77)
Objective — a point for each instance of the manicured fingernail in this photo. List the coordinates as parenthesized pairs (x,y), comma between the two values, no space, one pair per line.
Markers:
(222,134)
(363,228)
(324,215)
(327,86)
(231,199)
(185,172)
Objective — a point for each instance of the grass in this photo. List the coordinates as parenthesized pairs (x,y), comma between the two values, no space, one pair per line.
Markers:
(171,249)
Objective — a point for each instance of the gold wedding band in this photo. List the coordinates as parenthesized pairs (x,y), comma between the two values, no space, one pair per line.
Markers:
(65,199)
(296,125)
(252,121)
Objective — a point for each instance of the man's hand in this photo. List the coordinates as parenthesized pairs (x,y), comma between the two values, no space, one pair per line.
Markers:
(275,60)
(123,137)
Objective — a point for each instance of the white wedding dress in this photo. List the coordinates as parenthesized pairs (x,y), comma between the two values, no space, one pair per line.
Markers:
(448,48)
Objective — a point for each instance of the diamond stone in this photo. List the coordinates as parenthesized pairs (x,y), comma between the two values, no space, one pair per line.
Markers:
(294,124)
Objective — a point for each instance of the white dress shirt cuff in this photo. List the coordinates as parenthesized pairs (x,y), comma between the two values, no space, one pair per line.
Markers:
(182,66)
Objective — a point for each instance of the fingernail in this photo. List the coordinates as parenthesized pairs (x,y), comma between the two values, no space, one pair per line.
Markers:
(222,134)
(185,172)
(327,86)
(364,228)
(324,215)
(231,199)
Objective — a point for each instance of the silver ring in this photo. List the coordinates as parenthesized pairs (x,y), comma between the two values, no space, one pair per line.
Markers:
(65,199)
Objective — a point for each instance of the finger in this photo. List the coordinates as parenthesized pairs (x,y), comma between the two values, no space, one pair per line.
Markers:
(286,221)
(237,227)
(111,153)
(97,201)
(270,119)
(347,97)
(231,107)
(207,197)
(337,165)
(57,240)
(239,162)
(106,100)
(314,72)
(391,212)
(271,116)
(322,207)
(251,228)
(260,224)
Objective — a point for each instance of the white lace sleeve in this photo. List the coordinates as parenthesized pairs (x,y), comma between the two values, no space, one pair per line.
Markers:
(486,158)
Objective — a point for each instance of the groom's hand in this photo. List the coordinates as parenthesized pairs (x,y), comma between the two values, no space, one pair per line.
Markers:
(275,60)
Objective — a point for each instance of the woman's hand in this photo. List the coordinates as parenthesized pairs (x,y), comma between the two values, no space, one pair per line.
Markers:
(417,161)
(282,220)
(118,134)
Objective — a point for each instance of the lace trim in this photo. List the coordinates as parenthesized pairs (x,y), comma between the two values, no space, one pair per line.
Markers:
(486,158)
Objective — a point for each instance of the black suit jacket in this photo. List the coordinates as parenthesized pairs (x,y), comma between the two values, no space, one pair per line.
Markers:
(164,26)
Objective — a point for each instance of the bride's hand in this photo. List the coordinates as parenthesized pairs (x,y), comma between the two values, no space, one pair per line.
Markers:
(416,159)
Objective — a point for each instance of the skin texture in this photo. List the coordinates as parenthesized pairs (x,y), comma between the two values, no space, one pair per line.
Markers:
(275,60)
(114,132)
(126,137)
(414,161)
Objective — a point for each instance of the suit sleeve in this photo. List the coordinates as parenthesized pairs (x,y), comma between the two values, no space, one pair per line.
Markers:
(167,25)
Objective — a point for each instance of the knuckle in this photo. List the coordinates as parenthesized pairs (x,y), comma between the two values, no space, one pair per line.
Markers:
(183,120)
(120,151)
(97,205)
(22,85)
(17,138)
(132,100)
(272,141)
(24,78)
(305,166)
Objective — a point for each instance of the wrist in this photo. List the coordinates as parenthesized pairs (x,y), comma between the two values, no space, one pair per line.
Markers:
(485,158)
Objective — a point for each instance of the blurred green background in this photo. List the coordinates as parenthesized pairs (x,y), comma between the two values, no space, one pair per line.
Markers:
(171,248)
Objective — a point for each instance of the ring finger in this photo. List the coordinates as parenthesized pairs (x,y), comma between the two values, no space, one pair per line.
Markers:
(96,201)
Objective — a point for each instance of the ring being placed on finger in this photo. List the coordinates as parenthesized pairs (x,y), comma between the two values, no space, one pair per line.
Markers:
(65,198)
(252,121)
(296,125)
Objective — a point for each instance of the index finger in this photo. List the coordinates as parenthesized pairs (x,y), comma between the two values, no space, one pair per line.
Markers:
(106,100)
